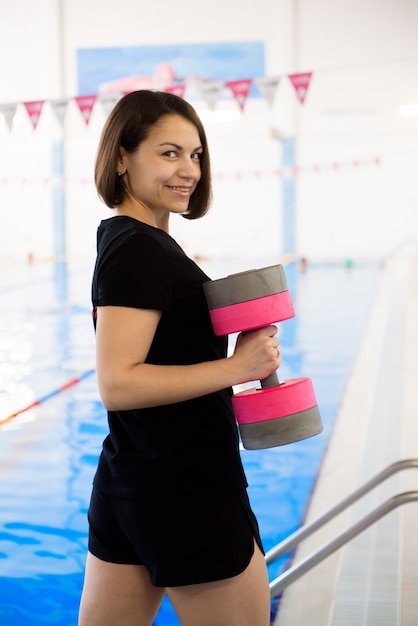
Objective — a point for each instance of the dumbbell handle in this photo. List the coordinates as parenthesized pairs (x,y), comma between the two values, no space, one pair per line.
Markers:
(270,381)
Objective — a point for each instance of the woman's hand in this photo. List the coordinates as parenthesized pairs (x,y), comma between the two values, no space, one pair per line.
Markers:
(258,353)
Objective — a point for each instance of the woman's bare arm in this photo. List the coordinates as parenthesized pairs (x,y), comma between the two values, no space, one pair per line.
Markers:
(123,339)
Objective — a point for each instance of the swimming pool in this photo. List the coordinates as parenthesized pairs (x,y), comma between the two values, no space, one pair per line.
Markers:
(48,453)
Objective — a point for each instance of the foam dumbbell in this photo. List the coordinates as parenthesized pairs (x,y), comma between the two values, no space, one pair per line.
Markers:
(279,412)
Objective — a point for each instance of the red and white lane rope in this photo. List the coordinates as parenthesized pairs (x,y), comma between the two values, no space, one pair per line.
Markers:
(67,385)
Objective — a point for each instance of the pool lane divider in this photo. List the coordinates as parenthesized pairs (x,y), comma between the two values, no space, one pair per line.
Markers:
(67,385)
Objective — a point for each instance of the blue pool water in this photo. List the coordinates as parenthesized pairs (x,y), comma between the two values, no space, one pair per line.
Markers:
(48,454)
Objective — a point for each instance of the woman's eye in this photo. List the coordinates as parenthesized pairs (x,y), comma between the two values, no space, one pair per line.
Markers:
(171,153)
(196,156)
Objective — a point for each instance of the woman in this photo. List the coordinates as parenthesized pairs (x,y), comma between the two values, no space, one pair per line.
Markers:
(169,511)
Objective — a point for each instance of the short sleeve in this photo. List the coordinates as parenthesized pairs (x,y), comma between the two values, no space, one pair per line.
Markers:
(136,273)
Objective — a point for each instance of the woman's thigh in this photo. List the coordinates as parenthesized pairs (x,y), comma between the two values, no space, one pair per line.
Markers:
(243,600)
(118,594)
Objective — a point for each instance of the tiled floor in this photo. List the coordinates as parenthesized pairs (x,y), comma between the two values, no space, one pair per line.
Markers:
(372,581)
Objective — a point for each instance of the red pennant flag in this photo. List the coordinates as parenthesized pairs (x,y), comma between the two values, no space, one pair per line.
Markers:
(301,83)
(177,90)
(34,110)
(86,104)
(240,90)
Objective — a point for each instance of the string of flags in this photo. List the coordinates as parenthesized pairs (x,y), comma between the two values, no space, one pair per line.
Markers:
(211,91)
(285,172)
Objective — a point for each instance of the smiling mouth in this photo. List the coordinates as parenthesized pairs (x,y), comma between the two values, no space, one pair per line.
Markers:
(182,190)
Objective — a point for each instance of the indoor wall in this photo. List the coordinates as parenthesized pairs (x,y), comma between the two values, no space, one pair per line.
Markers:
(329,178)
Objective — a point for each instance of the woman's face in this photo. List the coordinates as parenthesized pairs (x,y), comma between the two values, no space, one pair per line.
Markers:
(163,172)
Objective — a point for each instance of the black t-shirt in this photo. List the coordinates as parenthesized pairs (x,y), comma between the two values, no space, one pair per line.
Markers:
(185,448)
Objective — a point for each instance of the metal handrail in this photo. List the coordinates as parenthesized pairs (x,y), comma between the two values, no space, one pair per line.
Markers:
(308,529)
(305,531)
(295,572)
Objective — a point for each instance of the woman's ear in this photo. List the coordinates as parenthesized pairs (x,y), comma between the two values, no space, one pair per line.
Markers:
(121,161)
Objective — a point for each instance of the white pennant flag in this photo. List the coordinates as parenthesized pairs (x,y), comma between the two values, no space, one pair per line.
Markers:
(8,112)
(268,87)
(211,91)
(59,108)
(108,99)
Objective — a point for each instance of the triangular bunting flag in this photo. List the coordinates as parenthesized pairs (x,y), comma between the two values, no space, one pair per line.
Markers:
(34,110)
(86,104)
(177,90)
(8,112)
(108,99)
(268,87)
(211,91)
(301,83)
(59,108)
(240,90)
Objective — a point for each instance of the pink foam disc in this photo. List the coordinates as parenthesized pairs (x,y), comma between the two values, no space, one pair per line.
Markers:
(259,405)
(252,313)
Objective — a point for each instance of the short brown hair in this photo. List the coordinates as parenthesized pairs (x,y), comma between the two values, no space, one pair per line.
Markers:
(128,124)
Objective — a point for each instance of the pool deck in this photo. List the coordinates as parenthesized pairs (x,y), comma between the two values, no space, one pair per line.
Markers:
(372,581)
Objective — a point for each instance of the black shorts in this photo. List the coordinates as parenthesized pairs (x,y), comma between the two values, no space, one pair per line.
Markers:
(180,542)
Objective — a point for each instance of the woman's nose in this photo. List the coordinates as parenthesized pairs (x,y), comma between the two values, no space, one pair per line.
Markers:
(189,168)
